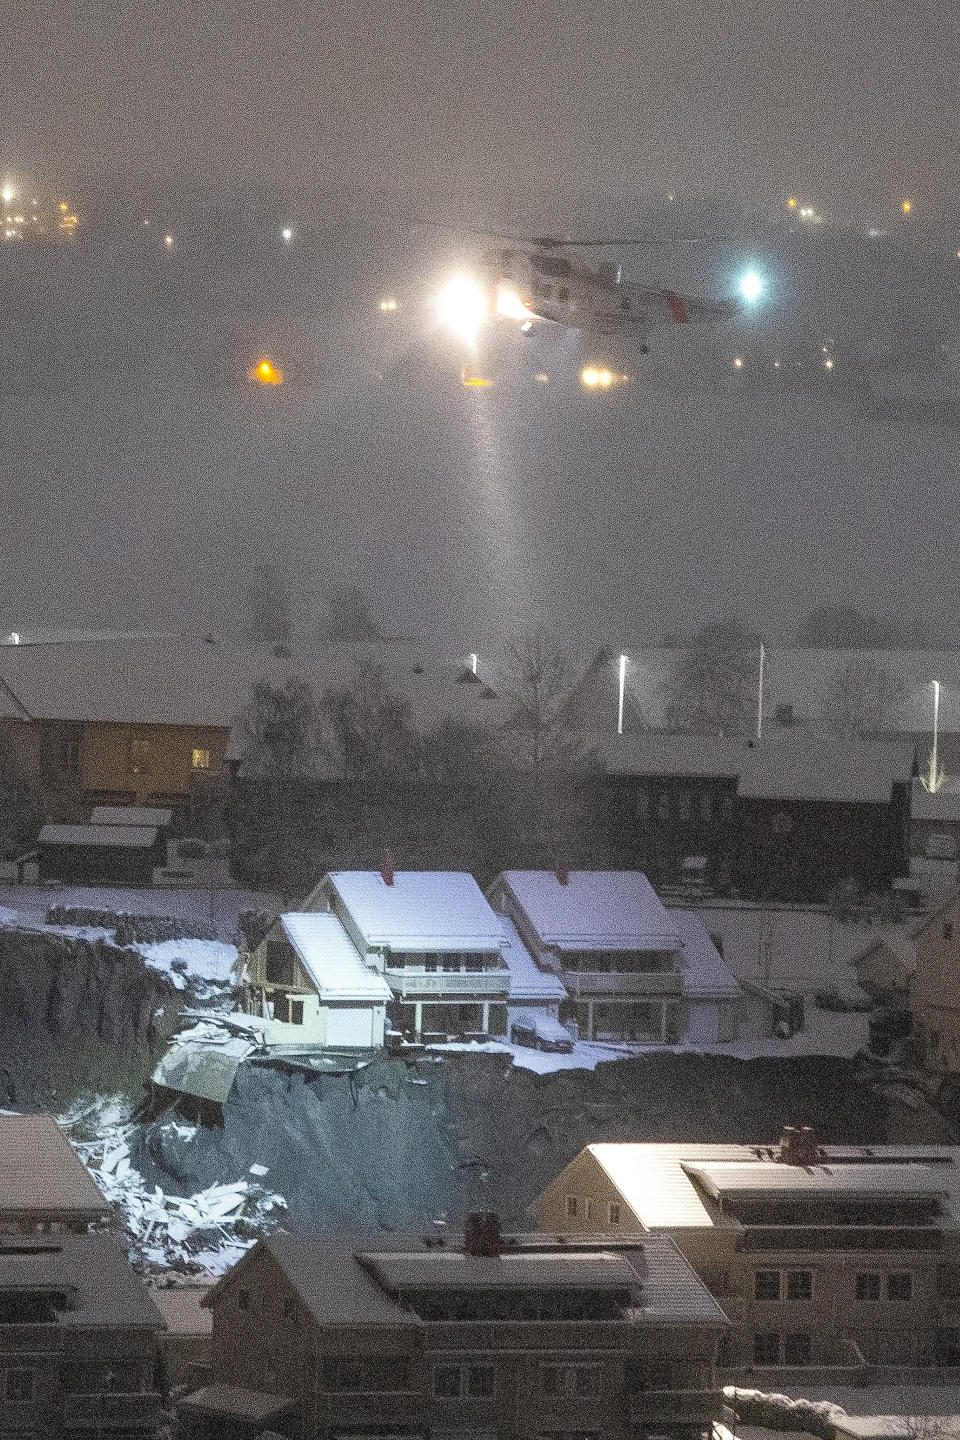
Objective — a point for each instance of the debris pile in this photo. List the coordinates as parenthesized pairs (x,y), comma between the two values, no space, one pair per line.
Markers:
(207,1232)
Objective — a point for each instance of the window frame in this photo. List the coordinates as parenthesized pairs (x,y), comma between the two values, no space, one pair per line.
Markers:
(789,1345)
(875,1280)
(796,1275)
(571,1207)
(894,1280)
(763,1275)
(452,1369)
(776,1347)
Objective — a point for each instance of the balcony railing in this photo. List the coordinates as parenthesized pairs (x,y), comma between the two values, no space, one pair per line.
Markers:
(111,1411)
(865,1238)
(459,984)
(514,1335)
(622,985)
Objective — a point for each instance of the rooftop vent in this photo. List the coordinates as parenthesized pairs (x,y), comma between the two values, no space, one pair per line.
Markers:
(799,1146)
(481,1234)
(386,869)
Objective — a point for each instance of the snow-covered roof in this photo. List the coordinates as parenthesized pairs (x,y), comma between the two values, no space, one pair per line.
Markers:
(593,909)
(121,837)
(527,980)
(759,1180)
(131,815)
(942,804)
(331,959)
(798,764)
(40,1173)
(420,910)
(668,753)
(207,682)
(706,975)
(655,1181)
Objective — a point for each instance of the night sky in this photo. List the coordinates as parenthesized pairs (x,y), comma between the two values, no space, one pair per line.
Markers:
(143,479)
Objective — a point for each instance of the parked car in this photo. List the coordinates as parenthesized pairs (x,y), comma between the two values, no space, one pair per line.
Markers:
(541,1031)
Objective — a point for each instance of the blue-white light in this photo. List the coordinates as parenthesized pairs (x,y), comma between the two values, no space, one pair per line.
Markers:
(751,287)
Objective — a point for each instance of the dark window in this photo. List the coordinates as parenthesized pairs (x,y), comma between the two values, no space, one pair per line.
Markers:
(551,1380)
(948,930)
(663,806)
(799,1285)
(553,265)
(287,1306)
(706,805)
(796,1350)
(296,1012)
(613,1212)
(766,1285)
(641,805)
(70,756)
(480,1382)
(625,303)
(586,1382)
(766,1349)
(20,1385)
(563,294)
(900,1286)
(243,1299)
(571,1207)
(683,805)
(430,966)
(868,1287)
(280,963)
(446,1382)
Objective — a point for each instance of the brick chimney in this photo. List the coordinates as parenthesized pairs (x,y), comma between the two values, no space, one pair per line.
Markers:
(481,1234)
(386,869)
(562,870)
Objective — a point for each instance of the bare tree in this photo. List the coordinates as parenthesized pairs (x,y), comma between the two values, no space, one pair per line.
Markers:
(543,741)
(349,617)
(267,616)
(860,697)
(715,680)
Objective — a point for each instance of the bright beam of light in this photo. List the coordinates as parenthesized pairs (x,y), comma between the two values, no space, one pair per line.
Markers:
(463,307)
(751,286)
(511,306)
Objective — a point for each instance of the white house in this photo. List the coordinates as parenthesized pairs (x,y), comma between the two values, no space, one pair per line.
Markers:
(310,988)
(433,938)
(632,970)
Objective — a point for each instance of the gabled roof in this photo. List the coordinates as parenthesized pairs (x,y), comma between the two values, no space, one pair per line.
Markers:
(106,1292)
(331,959)
(120,837)
(527,980)
(797,764)
(40,1172)
(451,1269)
(594,909)
(706,975)
(420,910)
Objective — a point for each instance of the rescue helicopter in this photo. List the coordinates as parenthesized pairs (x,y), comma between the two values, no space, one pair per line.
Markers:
(539,279)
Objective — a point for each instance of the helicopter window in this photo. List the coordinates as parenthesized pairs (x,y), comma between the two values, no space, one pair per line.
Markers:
(625,303)
(550,265)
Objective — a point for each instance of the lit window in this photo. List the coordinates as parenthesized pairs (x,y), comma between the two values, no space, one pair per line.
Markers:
(200,759)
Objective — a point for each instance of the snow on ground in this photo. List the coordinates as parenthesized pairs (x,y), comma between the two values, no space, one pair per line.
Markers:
(210,960)
(889,1399)
(208,1231)
(828,1033)
(217,907)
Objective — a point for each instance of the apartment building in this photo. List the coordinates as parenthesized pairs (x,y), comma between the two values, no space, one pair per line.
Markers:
(493,1337)
(78,1341)
(633,970)
(833,1263)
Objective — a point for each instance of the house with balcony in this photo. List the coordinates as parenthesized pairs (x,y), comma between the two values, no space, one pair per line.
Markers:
(433,939)
(78,1341)
(832,1262)
(486,1336)
(633,971)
